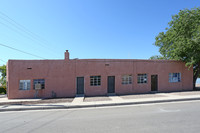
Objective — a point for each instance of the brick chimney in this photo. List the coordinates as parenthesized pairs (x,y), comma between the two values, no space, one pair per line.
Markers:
(67,55)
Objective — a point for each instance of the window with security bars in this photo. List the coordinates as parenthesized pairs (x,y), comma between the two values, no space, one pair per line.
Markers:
(39,81)
(24,84)
(174,77)
(95,80)
(142,78)
(126,79)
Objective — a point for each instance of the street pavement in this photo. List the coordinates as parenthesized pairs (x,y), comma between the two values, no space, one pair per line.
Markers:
(176,117)
(83,102)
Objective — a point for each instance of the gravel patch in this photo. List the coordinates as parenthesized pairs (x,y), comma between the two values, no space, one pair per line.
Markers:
(43,101)
(138,96)
(94,99)
(186,93)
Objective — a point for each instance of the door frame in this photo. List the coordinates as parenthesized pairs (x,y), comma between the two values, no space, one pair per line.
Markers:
(77,85)
(108,85)
(156,86)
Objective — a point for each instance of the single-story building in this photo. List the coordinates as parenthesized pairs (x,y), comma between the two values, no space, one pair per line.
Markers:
(92,77)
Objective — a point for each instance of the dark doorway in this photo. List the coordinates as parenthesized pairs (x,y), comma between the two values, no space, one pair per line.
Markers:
(111,84)
(154,82)
(80,85)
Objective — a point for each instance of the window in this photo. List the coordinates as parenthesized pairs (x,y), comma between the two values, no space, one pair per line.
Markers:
(142,78)
(126,79)
(174,77)
(39,81)
(24,84)
(95,80)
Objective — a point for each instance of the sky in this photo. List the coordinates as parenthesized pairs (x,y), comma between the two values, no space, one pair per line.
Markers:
(89,29)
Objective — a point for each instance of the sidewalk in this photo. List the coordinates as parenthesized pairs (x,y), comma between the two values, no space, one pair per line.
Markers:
(82,102)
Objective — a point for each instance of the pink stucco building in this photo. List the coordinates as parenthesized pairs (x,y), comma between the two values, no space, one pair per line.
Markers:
(92,77)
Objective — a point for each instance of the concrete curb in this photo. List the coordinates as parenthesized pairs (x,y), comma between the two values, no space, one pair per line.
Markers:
(98,105)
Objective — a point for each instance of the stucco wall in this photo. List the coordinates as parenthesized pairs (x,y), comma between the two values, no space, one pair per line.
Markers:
(60,76)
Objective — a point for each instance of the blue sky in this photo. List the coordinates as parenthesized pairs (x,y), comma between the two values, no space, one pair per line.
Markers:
(118,29)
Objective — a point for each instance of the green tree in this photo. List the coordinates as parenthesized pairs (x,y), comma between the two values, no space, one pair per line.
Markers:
(181,40)
(157,57)
(3,75)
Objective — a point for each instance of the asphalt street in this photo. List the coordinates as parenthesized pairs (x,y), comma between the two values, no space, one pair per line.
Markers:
(179,117)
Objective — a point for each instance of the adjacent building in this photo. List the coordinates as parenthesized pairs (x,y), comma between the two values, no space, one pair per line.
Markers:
(92,77)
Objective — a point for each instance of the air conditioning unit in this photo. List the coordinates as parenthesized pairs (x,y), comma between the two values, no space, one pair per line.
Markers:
(38,86)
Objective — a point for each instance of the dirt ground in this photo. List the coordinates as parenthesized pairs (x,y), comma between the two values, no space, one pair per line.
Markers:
(92,99)
(43,101)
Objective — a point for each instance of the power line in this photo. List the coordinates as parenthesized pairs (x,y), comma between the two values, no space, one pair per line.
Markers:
(19,26)
(3,61)
(21,51)
(16,31)
(19,32)
(29,34)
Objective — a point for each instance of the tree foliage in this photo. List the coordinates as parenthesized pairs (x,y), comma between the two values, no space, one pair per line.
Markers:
(181,40)
(3,75)
(157,57)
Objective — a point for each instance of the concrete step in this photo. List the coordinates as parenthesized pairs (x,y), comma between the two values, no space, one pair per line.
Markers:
(116,98)
(78,100)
